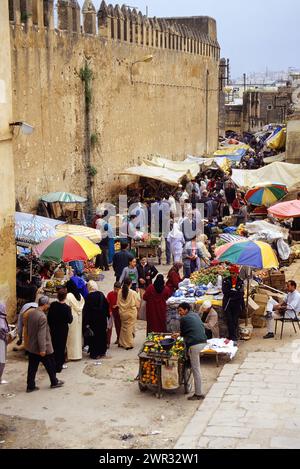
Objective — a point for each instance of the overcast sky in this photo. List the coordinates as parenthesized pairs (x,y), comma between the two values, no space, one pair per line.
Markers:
(255,35)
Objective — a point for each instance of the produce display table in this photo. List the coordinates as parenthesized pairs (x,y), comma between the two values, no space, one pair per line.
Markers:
(173,318)
(215,354)
(219,348)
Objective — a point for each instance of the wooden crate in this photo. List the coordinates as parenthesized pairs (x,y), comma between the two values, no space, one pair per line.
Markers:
(295,235)
(278,280)
(258,322)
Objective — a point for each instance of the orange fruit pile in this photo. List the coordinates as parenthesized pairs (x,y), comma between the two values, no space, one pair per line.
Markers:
(149,374)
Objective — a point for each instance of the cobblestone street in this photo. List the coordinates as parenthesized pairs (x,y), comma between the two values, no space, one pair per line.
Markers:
(254,405)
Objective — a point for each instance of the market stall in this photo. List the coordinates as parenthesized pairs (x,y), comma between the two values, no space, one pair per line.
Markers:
(252,254)
(163,365)
(204,285)
(31,230)
(63,205)
(65,249)
(289,210)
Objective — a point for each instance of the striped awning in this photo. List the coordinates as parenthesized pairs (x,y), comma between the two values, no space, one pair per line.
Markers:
(80,230)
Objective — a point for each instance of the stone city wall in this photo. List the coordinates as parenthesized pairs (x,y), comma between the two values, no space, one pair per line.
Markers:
(7,195)
(96,111)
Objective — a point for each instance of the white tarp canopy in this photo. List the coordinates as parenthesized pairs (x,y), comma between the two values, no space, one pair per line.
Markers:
(178,166)
(282,173)
(155,172)
(195,159)
(262,226)
(276,158)
(216,162)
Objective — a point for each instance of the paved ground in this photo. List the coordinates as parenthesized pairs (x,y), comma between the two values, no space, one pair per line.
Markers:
(97,406)
(253,401)
(255,405)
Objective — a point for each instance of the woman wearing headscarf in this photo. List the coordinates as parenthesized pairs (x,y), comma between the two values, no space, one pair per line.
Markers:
(59,318)
(202,241)
(128,303)
(177,241)
(147,273)
(80,284)
(210,319)
(156,296)
(192,257)
(76,302)
(174,278)
(95,317)
(4,330)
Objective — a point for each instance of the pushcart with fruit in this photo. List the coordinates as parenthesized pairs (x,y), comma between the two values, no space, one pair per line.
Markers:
(160,352)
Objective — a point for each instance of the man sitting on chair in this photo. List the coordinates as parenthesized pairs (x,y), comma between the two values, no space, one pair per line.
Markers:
(289,309)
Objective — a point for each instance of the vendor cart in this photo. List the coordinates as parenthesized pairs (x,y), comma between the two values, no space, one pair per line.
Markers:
(149,250)
(150,370)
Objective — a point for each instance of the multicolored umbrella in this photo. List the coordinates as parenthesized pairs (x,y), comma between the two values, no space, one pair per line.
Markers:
(266,194)
(254,254)
(64,197)
(286,210)
(66,249)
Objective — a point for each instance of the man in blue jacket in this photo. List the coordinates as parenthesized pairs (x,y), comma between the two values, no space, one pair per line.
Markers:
(121,260)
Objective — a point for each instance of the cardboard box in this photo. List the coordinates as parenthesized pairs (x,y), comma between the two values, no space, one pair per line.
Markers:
(258,322)
(252,305)
(261,311)
(279,297)
(264,291)
(261,299)
(278,280)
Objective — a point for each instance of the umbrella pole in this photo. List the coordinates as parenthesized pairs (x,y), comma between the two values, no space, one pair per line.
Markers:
(31,266)
(248,295)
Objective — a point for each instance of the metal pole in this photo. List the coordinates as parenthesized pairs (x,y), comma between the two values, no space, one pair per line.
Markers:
(30,264)
(248,294)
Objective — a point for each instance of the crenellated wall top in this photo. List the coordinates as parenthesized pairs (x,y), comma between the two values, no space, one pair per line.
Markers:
(194,35)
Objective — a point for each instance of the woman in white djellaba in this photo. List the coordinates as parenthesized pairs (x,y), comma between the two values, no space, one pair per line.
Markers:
(74,342)
(177,241)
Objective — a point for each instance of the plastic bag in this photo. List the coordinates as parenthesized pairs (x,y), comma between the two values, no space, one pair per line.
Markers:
(170,376)
(185,283)
(284,250)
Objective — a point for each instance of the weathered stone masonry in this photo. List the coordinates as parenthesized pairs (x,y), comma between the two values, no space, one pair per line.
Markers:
(168,106)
